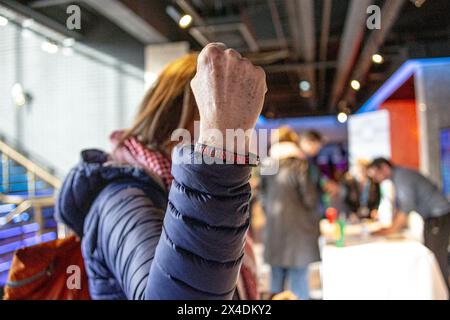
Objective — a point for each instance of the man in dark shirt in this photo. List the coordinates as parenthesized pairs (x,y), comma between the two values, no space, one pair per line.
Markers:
(414,192)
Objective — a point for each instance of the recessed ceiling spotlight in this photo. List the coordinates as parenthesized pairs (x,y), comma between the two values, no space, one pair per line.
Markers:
(67,51)
(68,42)
(304,85)
(378,58)
(356,85)
(183,20)
(3,21)
(27,23)
(49,47)
(26,33)
(342,117)
(19,96)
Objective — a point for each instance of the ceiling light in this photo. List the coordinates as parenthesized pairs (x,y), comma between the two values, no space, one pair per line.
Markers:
(150,79)
(16,89)
(26,33)
(27,23)
(304,85)
(3,21)
(68,42)
(18,95)
(49,47)
(67,51)
(342,117)
(356,85)
(377,58)
(185,21)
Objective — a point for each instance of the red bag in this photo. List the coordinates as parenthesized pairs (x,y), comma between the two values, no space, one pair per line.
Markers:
(46,271)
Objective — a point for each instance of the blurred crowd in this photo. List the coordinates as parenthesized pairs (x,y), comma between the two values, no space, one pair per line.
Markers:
(287,207)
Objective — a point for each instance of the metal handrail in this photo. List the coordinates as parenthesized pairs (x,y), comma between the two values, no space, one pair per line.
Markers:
(33,172)
(30,166)
(25,205)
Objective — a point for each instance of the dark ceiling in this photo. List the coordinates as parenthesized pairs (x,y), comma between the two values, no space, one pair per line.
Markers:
(325,42)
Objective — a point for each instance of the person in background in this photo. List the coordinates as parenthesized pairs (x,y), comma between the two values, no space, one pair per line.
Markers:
(257,218)
(415,192)
(290,202)
(153,229)
(311,142)
(361,194)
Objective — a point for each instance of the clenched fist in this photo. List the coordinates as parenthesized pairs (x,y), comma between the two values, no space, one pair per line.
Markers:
(229,91)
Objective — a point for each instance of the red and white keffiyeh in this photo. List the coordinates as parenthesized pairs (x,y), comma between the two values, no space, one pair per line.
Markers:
(135,153)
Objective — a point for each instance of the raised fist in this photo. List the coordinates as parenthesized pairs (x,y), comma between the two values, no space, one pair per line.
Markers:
(229,91)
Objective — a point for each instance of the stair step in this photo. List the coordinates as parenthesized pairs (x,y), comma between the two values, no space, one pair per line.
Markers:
(14,181)
(6,208)
(18,233)
(6,257)
(20,237)
(15,187)
(15,178)
(3,278)
(50,224)
(15,169)
(19,230)
(39,193)
(27,242)
(4,266)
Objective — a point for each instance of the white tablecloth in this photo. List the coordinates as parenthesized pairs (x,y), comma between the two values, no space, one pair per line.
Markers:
(396,269)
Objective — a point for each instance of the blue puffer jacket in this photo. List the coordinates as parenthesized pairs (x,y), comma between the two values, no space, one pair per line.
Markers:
(137,244)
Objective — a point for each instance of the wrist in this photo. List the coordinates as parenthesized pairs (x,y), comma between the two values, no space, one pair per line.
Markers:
(212,140)
(219,139)
(212,154)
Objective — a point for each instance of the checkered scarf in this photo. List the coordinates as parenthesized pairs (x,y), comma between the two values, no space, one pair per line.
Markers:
(135,153)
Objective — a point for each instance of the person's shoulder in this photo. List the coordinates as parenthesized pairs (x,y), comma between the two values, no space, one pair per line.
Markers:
(130,189)
(295,164)
(406,172)
(409,178)
(403,171)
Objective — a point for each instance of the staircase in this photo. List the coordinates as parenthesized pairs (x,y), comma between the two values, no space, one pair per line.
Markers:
(27,194)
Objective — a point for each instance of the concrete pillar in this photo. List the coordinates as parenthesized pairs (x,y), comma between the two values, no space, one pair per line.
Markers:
(157,56)
(432,82)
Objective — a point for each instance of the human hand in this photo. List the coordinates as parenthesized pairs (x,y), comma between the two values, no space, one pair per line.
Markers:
(332,188)
(374,214)
(229,91)
(382,232)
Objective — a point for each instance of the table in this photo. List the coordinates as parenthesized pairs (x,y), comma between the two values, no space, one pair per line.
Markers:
(374,268)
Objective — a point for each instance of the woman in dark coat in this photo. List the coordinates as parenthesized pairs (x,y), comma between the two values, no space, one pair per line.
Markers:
(291,204)
(155,230)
